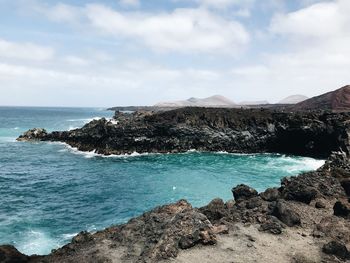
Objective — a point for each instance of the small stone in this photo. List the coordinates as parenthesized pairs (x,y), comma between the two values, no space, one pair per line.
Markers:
(320,204)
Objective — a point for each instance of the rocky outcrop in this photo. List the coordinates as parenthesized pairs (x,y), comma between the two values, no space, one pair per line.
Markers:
(207,129)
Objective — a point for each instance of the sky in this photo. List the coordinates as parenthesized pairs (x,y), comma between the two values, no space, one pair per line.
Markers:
(140,52)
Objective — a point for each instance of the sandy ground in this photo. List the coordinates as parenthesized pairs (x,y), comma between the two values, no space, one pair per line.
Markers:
(246,244)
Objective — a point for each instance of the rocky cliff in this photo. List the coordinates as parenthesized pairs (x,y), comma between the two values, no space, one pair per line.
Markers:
(314,134)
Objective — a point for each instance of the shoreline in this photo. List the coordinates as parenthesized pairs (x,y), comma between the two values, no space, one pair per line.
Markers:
(217,230)
(308,212)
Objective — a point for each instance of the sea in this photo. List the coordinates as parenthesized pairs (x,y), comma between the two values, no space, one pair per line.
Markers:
(49,192)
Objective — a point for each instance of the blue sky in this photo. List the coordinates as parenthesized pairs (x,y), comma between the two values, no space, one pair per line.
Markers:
(138,52)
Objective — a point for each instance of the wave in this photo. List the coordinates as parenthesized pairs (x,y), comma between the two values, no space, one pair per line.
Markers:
(8,139)
(92,154)
(292,163)
(85,120)
(37,242)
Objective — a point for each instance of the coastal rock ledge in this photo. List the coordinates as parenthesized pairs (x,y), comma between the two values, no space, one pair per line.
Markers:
(306,219)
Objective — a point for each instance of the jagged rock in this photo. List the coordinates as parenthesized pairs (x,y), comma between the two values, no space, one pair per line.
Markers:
(270,194)
(272,225)
(345,183)
(333,227)
(9,254)
(210,129)
(284,213)
(215,210)
(342,208)
(82,237)
(35,134)
(336,248)
(243,192)
(309,186)
(254,202)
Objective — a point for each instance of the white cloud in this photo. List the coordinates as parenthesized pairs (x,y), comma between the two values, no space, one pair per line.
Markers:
(183,30)
(76,61)
(59,12)
(27,51)
(321,21)
(220,4)
(133,3)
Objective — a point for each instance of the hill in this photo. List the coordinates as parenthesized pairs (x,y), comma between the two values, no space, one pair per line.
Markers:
(336,101)
(293,99)
(213,101)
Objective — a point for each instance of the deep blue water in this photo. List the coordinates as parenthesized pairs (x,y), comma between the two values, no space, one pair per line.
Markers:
(49,192)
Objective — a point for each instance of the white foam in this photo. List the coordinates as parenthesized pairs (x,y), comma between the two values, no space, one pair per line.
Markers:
(8,139)
(70,128)
(36,242)
(86,120)
(93,153)
(68,236)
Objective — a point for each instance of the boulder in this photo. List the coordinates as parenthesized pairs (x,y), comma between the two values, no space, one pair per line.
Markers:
(9,254)
(270,194)
(345,183)
(272,225)
(284,213)
(35,134)
(215,210)
(342,208)
(337,249)
(243,192)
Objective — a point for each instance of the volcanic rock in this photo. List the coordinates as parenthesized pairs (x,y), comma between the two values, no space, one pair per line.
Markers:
(243,192)
(336,248)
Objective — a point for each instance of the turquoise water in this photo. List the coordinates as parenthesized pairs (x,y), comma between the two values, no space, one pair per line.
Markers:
(49,192)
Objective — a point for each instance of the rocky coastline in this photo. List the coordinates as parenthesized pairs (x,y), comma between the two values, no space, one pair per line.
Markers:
(306,219)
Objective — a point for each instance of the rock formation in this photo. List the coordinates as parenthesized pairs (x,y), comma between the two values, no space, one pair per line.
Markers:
(313,134)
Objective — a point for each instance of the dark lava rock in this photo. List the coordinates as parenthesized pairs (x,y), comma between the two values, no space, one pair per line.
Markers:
(82,237)
(337,249)
(272,225)
(336,228)
(35,134)
(9,254)
(270,194)
(253,202)
(342,208)
(215,210)
(284,213)
(306,187)
(345,183)
(243,192)
(315,134)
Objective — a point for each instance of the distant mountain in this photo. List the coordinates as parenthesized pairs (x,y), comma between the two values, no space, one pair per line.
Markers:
(338,100)
(213,101)
(259,102)
(294,99)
